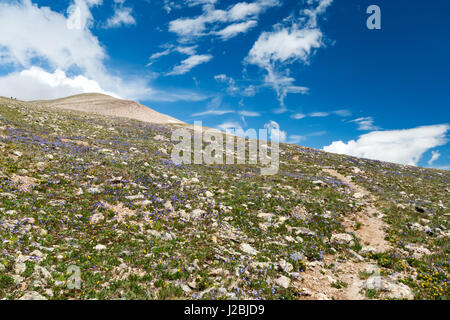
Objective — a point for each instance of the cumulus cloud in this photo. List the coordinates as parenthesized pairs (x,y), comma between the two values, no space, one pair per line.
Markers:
(38,36)
(186,65)
(40,84)
(399,146)
(123,16)
(285,45)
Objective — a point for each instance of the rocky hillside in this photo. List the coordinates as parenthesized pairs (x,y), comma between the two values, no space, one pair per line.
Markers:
(92,206)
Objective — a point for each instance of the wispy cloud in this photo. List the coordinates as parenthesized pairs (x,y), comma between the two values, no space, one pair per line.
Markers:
(365,123)
(434,156)
(186,65)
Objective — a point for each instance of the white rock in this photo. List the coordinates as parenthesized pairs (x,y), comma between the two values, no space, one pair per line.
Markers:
(100,247)
(245,247)
(96,218)
(283,281)
(388,287)
(286,266)
(33,295)
(209,194)
(342,238)
(20,267)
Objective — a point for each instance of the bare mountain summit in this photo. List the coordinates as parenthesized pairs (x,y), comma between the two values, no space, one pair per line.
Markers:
(106,105)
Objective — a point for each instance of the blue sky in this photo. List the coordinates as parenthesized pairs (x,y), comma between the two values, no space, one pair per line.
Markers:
(311,66)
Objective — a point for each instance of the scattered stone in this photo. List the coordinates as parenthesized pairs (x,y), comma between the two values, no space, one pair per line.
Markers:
(283,281)
(100,247)
(32,295)
(245,247)
(388,287)
(342,238)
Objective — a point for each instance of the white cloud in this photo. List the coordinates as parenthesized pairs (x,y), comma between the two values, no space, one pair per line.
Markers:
(206,23)
(285,45)
(343,112)
(122,17)
(298,116)
(245,113)
(295,138)
(233,89)
(319,114)
(189,63)
(40,84)
(399,146)
(236,28)
(38,35)
(365,123)
(212,113)
(42,33)
(434,156)
(229,125)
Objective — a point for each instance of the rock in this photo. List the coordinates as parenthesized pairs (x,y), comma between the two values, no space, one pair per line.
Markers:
(304,231)
(100,247)
(245,247)
(96,218)
(321,296)
(299,212)
(283,281)
(186,288)
(420,209)
(388,287)
(357,256)
(94,190)
(17,279)
(367,250)
(286,266)
(32,295)
(197,213)
(266,216)
(296,256)
(342,238)
(168,205)
(358,195)
(20,267)
(17,153)
(159,138)
(418,251)
(209,194)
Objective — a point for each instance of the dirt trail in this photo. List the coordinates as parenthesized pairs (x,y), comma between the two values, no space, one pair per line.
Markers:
(370,233)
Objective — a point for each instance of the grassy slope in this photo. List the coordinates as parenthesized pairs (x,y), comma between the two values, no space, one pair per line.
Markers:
(86,167)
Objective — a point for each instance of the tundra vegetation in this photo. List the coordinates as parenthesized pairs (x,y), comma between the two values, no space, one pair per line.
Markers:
(101,194)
